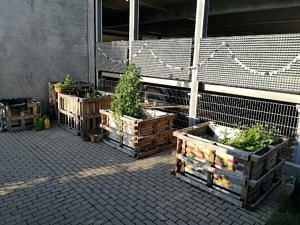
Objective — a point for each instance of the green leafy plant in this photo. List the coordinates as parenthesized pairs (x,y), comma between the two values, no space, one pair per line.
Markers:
(68,80)
(127,94)
(59,85)
(251,139)
(38,123)
(67,83)
(93,94)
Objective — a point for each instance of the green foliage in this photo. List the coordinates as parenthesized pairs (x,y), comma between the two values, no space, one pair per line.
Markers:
(38,123)
(59,85)
(127,94)
(251,139)
(68,81)
(93,94)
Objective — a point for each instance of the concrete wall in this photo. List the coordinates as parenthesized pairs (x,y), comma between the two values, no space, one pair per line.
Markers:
(41,41)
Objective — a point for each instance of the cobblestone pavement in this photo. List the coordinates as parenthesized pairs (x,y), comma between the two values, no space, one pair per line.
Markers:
(52,177)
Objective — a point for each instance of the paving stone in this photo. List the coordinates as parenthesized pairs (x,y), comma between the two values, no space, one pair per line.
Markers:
(52,177)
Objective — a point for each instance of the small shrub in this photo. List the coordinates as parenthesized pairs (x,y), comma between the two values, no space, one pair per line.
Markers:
(127,94)
(251,139)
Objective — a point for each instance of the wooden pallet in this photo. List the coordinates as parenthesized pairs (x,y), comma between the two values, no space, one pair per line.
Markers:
(81,115)
(80,90)
(144,136)
(242,174)
(20,119)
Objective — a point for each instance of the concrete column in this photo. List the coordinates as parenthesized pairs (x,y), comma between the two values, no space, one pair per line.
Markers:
(91,41)
(99,24)
(297,150)
(200,32)
(133,24)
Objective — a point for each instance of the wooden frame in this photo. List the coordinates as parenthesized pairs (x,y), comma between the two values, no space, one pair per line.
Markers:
(245,178)
(81,114)
(20,120)
(81,88)
(143,136)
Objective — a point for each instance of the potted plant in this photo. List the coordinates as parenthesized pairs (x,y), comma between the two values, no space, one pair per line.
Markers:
(59,87)
(140,131)
(66,86)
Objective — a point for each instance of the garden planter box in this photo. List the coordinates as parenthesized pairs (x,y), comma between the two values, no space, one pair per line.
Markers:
(18,114)
(243,176)
(81,114)
(79,89)
(141,137)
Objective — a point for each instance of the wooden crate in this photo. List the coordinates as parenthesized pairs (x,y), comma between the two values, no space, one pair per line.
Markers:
(143,136)
(20,119)
(81,114)
(228,170)
(79,89)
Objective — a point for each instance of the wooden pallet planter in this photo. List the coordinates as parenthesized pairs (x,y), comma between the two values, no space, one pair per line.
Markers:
(142,136)
(80,89)
(239,176)
(81,115)
(21,119)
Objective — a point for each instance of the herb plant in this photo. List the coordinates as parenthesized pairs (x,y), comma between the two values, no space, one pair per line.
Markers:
(68,80)
(251,139)
(127,94)
(59,85)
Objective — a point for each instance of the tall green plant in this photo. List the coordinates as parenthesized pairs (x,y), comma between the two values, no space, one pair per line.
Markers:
(127,94)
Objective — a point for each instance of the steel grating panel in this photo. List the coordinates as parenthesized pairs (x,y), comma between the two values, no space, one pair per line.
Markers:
(117,50)
(107,85)
(261,52)
(237,112)
(176,98)
(176,52)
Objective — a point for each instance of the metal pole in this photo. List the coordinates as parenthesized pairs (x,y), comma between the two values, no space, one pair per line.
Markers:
(91,41)
(297,149)
(200,32)
(133,24)
(99,24)
(99,34)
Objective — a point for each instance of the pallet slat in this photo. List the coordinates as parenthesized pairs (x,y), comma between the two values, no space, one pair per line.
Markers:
(225,169)
(144,136)
(19,120)
(81,114)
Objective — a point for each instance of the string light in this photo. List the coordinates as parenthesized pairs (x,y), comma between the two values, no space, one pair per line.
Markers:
(212,55)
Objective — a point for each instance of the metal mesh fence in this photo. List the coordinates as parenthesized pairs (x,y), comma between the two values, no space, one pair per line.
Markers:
(236,112)
(262,52)
(107,85)
(172,100)
(117,50)
(175,52)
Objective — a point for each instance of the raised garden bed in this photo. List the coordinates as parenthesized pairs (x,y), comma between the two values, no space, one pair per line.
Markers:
(139,137)
(18,114)
(81,114)
(242,177)
(79,89)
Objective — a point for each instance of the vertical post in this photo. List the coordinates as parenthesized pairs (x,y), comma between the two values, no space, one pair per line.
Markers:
(91,41)
(133,24)
(99,34)
(99,24)
(297,149)
(200,32)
